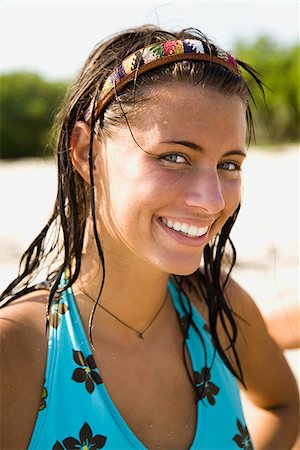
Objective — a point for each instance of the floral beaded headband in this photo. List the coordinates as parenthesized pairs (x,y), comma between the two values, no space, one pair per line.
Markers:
(155,55)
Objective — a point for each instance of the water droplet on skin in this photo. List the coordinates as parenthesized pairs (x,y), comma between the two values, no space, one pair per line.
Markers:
(171,435)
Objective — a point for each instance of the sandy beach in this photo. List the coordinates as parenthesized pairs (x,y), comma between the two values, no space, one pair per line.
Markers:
(266,234)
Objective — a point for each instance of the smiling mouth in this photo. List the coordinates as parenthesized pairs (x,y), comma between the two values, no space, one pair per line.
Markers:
(188,230)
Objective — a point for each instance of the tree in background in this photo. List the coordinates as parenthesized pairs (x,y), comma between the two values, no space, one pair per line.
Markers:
(27,104)
(279,69)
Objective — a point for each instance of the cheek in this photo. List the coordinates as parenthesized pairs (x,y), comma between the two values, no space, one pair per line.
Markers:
(232,194)
(140,182)
(125,196)
(231,191)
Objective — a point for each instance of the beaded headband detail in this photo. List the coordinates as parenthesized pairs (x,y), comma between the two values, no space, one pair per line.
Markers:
(156,55)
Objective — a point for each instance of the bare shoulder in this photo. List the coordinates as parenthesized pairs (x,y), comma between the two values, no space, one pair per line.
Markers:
(268,378)
(23,359)
(252,331)
(243,306)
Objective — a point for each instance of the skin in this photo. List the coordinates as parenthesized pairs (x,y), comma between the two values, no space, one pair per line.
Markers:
(134,189)
(284,327)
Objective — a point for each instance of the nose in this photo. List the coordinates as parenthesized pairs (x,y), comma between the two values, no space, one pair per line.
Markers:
(204,191)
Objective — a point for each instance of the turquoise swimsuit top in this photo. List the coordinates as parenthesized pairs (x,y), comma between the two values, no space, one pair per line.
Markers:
(76,411)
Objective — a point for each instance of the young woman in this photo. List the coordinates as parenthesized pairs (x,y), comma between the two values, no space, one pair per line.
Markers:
(147,334)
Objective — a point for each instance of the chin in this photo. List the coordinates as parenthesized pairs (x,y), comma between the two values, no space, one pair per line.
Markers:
(185,273)
(182,267)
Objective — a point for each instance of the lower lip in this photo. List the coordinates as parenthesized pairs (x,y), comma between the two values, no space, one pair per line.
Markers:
(183,238)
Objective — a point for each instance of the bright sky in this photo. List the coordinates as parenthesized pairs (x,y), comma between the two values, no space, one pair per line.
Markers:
(54,38)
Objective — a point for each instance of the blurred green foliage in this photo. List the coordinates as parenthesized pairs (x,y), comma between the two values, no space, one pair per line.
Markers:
(27,106)
(28,102)
(278,66)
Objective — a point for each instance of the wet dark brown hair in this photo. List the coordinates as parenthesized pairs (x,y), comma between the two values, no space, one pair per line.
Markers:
(59,245)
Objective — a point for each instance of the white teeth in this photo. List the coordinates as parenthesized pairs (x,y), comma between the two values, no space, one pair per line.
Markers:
(177,226)
(193,231)
(190,230)
(184,228)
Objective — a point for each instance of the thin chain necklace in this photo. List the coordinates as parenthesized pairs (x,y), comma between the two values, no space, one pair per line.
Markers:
(141,334)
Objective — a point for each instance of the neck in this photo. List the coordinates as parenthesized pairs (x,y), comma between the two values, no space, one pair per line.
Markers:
(132,292)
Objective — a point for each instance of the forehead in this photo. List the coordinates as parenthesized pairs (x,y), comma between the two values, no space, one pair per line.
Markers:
(182,111)
(172,98)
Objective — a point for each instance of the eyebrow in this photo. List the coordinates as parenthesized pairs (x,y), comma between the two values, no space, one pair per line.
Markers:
(200,149)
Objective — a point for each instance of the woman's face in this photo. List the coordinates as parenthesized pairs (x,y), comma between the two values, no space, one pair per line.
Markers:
(166,189)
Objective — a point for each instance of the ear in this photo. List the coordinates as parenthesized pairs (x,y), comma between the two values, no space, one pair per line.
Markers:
(80,147)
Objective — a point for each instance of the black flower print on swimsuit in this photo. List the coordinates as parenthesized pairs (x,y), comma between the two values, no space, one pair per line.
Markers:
(243,440)
(86,441)
(57,310)
(87,372)
(206,388)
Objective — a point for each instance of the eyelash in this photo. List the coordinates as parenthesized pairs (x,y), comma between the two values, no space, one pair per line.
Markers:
(236,166)
(165,159)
